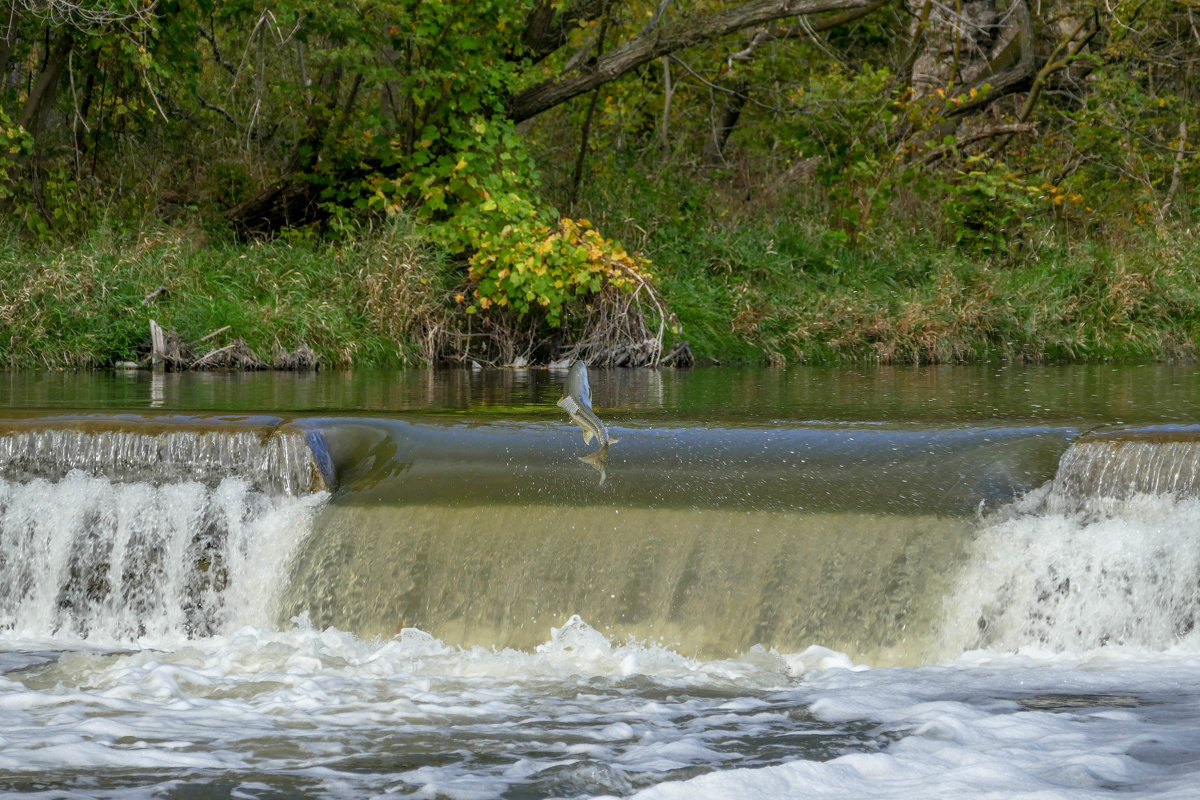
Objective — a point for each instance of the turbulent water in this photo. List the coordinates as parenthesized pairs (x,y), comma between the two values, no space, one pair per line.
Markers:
(216,606)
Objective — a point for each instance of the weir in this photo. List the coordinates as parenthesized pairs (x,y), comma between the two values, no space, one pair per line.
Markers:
(117,527)
(1118,465)
(1106,554)
(269,453)
(895,544)
(708,539)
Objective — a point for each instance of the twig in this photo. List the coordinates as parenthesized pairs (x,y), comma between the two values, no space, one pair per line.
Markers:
(214,333)
(212,354)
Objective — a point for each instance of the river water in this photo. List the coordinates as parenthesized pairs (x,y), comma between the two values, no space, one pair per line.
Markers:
(890,582)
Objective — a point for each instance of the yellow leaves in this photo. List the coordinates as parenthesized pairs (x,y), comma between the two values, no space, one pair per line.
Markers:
(531,266)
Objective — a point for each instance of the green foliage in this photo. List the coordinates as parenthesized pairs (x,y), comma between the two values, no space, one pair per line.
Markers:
(842,128)
(15,144)
(535,266)
(989,207)
(837,175)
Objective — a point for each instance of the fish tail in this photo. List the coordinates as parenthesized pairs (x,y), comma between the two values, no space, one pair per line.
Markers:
(597,461)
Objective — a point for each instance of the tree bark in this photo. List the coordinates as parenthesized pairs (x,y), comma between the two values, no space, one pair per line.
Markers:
(713,152)
(546,30)
(958,55)
(660,41)
(41,95)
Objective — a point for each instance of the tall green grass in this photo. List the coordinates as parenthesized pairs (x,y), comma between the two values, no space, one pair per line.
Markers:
(84,305)
(772,282)
(780,288)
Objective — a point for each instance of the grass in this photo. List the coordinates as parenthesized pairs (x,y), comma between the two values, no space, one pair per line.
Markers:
(779,288)
(1077,303)
(775,284)
(85,305)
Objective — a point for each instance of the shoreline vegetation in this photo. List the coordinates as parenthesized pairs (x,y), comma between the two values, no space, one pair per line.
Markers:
(626,182)
(384,298)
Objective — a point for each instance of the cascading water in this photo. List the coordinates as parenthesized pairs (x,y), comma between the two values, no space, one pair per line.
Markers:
(246,632)
(113,535)
(1106,554)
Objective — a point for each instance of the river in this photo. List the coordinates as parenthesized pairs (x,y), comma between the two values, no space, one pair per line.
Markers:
(885,582)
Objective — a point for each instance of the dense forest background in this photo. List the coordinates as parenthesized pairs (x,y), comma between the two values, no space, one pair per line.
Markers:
(508,181)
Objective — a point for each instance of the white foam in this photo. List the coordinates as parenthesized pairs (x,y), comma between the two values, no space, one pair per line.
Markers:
(91,559)
(1057,582)
(585,715)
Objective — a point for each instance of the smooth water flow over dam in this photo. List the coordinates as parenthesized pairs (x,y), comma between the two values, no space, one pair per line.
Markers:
(709,540)
(340,594)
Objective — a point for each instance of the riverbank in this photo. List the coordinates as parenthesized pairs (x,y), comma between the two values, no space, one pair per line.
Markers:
(766,292)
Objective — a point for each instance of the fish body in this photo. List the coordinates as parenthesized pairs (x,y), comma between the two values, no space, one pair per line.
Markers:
(577,402)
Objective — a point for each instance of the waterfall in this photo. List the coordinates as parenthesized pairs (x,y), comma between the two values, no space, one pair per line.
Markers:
(279,462)
(1100,472)
(1105,554)
(115,535)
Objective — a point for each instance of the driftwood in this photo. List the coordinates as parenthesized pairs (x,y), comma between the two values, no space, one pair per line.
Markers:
(680,356)
(161,291)
(237,355)
(206,337)
(302,359)
(166,350)
(158,346)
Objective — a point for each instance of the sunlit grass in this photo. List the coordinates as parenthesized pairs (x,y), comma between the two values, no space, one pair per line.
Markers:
(84,305)
(782,289)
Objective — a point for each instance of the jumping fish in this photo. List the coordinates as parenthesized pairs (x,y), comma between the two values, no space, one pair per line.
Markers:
(577,402)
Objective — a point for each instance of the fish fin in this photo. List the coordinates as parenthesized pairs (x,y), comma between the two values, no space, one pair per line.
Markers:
(613,441)
(587,436)
(596,461)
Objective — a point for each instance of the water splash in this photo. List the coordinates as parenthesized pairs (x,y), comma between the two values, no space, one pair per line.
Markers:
(1103,555)
(91,558)
(117,535)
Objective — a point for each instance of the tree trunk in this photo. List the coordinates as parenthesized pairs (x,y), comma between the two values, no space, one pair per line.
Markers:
(713,152)
(959,35)
(966,45)
(546,29)
(44,90)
